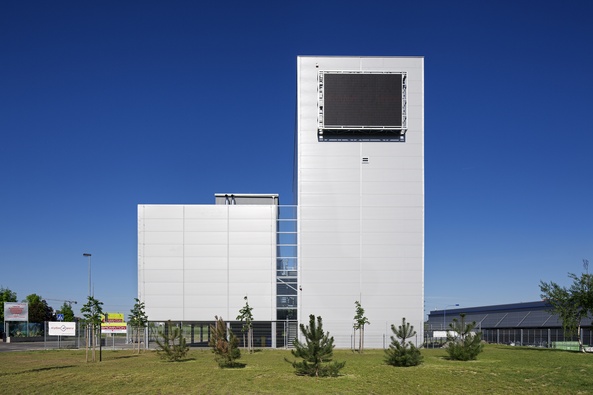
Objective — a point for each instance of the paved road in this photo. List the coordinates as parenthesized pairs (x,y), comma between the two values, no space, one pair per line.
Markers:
(25,346)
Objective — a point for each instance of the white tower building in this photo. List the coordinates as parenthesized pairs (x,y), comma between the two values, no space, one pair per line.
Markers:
(358,234)
(360,193)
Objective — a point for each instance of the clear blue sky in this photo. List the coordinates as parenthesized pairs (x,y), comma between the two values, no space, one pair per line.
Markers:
(106,105)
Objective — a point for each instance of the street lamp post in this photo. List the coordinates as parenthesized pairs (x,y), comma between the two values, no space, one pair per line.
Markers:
(89,330)
(445,313)
(89,256)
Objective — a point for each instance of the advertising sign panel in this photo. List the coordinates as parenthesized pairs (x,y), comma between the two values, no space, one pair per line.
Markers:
(57,328)
(114,327)
(16,311)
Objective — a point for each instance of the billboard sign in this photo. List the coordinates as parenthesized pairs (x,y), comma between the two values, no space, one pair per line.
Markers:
(16,311)
(57,328)
(114,327)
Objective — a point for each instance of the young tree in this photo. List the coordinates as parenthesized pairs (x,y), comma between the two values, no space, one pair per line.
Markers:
(572,304)
(224,345)
(138,320)
(400,352)
(172,346)
(91,313)
(39,310)
(359,322)
(316,352)
(246,316)
(66,309)
(6,295)
(462,343)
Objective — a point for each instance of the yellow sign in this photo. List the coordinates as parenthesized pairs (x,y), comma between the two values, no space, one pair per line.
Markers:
(113,317)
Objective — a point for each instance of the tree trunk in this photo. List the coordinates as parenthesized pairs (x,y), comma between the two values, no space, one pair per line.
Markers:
(86,343)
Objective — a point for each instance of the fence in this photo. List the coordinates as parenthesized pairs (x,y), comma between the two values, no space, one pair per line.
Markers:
(533,337)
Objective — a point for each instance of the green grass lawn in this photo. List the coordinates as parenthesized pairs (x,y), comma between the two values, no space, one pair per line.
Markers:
(498,370)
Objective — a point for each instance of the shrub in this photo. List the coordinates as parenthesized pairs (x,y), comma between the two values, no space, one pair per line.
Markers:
(224,345)
(316,352)
(400,352)
(462,343)
(172,346)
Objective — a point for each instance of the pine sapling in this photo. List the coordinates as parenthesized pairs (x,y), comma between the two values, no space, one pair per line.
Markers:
(400,352)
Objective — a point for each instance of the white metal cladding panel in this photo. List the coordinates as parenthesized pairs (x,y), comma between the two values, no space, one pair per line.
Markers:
(207,313)
(338,295)
(206,238)
(201,294)
(320,200)
(393,188)
(163,237)
(162,211)
(205,211)
(246,225)
(397,200)
(330,188)
(392,213)
(328,175)
(375,225)
(392,263)
(332,263)
(205,262)
(254,237)
(253,212)
(255,263)
(206,275)
(159,289)
(163,313)
(162,225)
(343,276)
(249,251)
(339,155)
(243,275)
(349,166)
(321,226)
(163,250)
(393,175)
(391,276)
(212,250)
(399,238)
(162,262)
(316,238)
(332,212)
(206,225)
(163,276)
(391,251)
(330,250)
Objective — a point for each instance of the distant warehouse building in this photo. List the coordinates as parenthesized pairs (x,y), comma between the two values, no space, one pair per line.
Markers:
(529,324)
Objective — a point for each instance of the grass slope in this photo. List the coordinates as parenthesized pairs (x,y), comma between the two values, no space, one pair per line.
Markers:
(498,370)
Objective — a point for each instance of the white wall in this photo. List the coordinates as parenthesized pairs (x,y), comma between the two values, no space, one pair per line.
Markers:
(198,261)
(361,226)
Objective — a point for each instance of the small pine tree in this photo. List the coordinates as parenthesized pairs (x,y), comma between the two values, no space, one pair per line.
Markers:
(400,352)
(225,345)
(172,346)
(316,352)
(462,343)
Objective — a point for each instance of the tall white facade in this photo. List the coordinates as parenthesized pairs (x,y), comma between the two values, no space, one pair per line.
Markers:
(360,207)
(359,182)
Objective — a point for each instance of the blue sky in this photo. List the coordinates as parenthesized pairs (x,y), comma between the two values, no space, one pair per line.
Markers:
(107,105)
